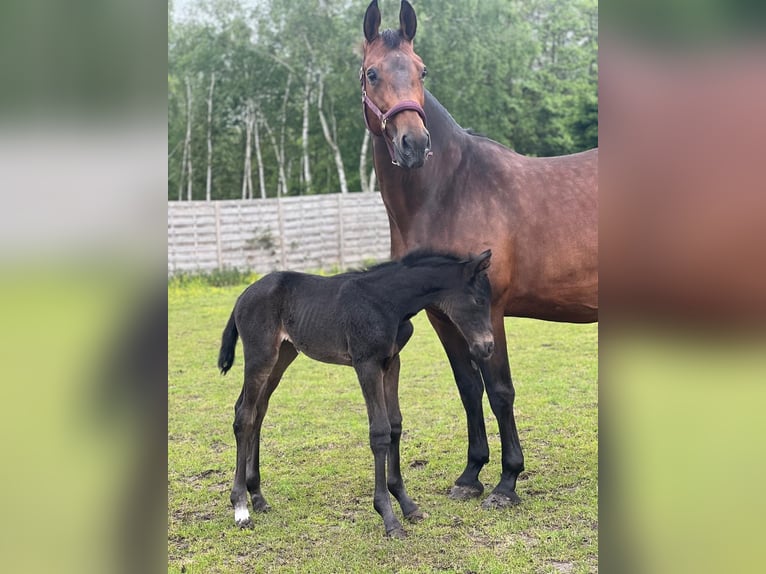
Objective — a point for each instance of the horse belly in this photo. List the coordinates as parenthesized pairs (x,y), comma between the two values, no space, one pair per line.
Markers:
(569,298)
(562,312)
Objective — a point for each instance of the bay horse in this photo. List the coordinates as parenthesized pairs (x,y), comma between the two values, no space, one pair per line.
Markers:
(445,188)
(361,319)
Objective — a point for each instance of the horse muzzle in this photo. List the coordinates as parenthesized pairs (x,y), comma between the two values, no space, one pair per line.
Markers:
(412,150)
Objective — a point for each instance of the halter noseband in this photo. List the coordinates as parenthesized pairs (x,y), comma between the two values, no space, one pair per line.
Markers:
(367,103)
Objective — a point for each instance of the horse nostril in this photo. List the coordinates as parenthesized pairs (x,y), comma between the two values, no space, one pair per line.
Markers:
(405,142)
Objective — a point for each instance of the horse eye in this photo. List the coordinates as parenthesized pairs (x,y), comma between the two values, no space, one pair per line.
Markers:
(424,74)
(479,301)
(372,75)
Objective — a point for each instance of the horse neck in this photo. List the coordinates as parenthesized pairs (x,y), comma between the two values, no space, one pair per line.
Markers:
(406,190)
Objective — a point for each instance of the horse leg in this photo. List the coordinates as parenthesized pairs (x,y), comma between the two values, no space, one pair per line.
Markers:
(497,378)
(370,375)
(395,482)
(257,370)
(287,354)
(471,388)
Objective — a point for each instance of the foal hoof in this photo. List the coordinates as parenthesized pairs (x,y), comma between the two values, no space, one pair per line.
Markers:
(461,492)
(397,532)
(261,506)
(496,500)
(245,523)
(416,516)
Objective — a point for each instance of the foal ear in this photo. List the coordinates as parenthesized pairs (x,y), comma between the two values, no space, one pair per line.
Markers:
(479,263)
(371,21)
(408,22)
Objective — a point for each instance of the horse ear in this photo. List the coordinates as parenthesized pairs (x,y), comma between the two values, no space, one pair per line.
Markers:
(408,22)
(371,21)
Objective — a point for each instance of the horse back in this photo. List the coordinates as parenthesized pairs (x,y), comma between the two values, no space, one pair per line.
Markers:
(539,216)
(548,243)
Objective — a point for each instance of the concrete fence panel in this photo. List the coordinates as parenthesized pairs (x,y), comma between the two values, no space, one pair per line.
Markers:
(301,233)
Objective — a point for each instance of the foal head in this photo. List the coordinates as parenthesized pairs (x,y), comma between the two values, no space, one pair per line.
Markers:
(392,87)
(466,300)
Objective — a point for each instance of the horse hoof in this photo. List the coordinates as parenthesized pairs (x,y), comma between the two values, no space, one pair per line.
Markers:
(398,532)
(459,492)
(496,500)
(245,523)
(416,516)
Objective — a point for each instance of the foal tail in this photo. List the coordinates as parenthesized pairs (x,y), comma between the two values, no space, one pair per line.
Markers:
(228,343)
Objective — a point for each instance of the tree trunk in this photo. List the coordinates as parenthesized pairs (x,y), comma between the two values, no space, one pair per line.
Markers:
(258,156)
(372,179)
(331,140)
(188,153)
(282,175)
(183,171)
(279,147)
(275,147)
(247,179)
(209,180)
(363,163)
(305,132)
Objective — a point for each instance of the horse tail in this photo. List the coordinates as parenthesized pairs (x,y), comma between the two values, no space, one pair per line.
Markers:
(228,344)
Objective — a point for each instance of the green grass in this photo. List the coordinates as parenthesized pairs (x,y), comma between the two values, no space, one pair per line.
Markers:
(317,466)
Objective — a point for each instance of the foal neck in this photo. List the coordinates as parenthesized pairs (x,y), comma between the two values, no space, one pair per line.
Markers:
(412,288)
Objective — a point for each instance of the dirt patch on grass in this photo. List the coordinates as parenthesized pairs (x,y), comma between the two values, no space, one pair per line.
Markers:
(184,515)
(564,567)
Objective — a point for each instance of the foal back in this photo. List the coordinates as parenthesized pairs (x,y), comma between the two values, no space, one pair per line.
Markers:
(302,309)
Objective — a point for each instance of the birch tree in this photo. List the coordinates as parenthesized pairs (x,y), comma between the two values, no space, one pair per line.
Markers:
(209,179)
(188,141)
(305,161)
(331,135)
(247,176)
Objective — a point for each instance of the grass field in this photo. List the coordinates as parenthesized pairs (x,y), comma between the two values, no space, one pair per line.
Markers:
(316,464)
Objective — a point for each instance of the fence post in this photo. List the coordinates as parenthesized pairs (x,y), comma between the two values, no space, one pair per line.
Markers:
(341,234)
(218,234)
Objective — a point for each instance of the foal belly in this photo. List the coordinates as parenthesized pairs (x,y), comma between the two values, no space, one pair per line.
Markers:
(326,350)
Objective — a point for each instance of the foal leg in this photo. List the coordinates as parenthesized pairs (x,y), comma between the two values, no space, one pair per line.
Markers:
(395,482)
(471,388)
(497,378)
(258,366)
(287,354)
(370,375)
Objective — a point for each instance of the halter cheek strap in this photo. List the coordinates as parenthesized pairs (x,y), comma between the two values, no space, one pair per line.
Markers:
(367,103)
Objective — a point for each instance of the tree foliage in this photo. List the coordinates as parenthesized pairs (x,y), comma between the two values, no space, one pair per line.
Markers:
(523,72)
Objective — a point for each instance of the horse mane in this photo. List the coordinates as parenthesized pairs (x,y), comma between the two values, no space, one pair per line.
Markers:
(472,132)
(435,108)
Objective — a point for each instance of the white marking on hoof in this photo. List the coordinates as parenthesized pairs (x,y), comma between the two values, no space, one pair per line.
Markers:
(241,515)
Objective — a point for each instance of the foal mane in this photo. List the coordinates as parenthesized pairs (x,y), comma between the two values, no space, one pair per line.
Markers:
(416,258)
(429,258)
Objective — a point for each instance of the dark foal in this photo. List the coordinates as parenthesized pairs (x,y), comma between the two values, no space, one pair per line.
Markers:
(447,189)
(361,319)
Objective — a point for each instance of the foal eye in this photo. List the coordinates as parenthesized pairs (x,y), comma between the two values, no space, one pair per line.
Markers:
(423,74)
(372,75)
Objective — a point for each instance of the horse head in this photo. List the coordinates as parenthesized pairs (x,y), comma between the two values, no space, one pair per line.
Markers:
(392,87)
